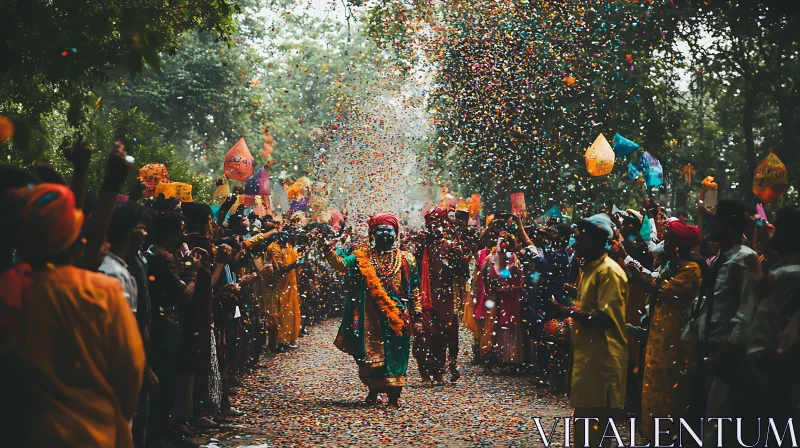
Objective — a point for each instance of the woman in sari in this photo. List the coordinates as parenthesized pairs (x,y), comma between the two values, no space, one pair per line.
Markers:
(666,391)
(505,279)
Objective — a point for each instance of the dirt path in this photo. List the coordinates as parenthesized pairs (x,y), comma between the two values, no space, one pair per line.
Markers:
(311,397)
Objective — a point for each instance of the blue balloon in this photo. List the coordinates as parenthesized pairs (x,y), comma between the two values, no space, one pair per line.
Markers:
(651,169)
(633,173)
(624,147)
(251,186)
(645,230)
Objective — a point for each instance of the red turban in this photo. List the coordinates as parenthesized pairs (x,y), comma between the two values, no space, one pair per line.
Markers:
(383,219)
(688,235)
(437,213)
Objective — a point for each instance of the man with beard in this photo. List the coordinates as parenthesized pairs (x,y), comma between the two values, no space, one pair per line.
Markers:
(375,328)
(439,268)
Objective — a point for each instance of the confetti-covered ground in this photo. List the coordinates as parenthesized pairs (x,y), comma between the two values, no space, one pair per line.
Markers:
(311,397)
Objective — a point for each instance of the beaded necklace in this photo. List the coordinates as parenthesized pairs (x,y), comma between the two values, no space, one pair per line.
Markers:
(386,268)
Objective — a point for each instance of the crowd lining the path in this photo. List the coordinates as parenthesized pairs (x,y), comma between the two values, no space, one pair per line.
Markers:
(126,324)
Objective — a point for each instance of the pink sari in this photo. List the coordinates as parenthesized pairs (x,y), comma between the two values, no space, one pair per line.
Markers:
(480,290)
(505,279)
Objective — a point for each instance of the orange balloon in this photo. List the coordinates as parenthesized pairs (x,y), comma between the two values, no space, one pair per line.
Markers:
(474,205)
(298,189)
(569,80)
(709,183)
(599,157)
(267,151)
(178,190)
(6,129)
(238,162)
(771,180)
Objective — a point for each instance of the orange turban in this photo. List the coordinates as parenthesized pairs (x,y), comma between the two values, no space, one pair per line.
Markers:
(49,223)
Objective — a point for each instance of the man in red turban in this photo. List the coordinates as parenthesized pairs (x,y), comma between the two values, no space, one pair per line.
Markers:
(688,236)
(667,356)
(383,219)
(385,299)
(48,213)
(440,260)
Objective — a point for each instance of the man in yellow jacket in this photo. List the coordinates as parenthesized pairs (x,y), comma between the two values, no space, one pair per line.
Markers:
(599,336)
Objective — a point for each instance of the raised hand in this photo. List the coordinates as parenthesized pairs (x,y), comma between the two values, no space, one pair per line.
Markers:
(204,256)
(137,190)
(79,155)
(224,253)
(117,168)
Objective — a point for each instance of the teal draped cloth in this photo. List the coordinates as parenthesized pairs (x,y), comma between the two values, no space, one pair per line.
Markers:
(350,339)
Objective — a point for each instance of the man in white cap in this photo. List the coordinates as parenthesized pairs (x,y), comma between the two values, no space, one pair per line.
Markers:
(599,336)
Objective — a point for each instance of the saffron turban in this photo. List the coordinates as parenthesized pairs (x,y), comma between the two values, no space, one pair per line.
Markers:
(49,223)
(383,219)
(689,236)
(435,214)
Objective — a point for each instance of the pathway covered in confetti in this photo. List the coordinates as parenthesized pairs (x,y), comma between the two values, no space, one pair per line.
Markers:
(311,397)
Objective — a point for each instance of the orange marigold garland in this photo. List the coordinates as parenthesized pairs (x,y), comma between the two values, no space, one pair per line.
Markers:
(375,289)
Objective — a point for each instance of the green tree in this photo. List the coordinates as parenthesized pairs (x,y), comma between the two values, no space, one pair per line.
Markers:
(524,88)
(743,98)
(283,73)
(56,51)
(142,141)
(203,99)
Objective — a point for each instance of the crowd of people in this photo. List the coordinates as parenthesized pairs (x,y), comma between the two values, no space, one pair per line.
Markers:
(637,313)
(130,323)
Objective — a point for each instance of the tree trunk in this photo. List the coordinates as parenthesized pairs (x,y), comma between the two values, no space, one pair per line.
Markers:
(788,154)
(748,115)
(682,198)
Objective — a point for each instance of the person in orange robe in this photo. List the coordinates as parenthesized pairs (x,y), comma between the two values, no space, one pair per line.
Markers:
(79,347)
(284,260)
(668,358)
